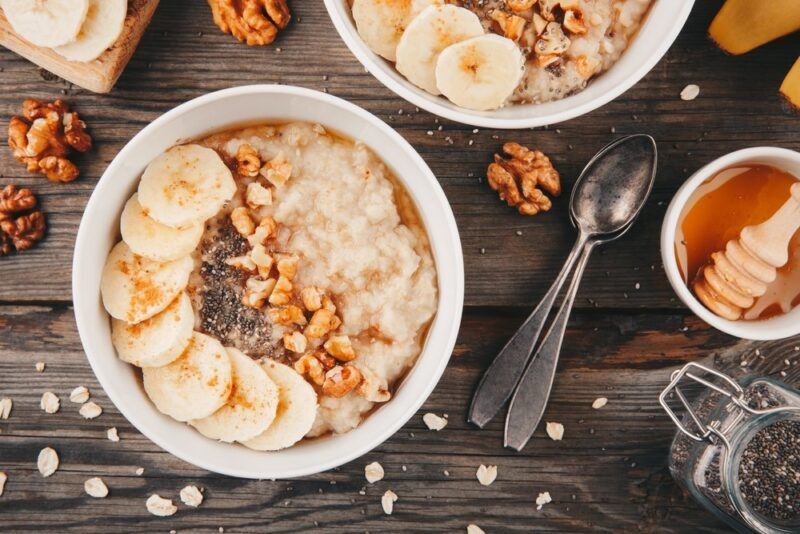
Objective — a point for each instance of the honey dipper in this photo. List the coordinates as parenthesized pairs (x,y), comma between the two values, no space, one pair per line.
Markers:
(738,275)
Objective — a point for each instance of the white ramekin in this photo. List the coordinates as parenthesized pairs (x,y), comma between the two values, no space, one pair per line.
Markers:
(658,31)
(779,327)
(99,230)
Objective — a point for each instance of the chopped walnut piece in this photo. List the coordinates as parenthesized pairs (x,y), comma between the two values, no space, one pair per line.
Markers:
(553,40)
(282,293)
(340,347)
(265,229)
(14,201)
(257,291)
(584,66)
(322,322)
(262,260)
(45,136)
(287,266)
(573,22)
(287,315)
(511,25)
(519,178)
(248,162)
(241,220)
(257,195)
(518,6)
(295,342)
(277,171)
(341,380)
(256,22)
(310,366)
(328,304)
(244,263)
(312,300)
(372,388)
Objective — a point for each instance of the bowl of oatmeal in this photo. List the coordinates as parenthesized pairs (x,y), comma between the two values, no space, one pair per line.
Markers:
(509,63)
(268,281)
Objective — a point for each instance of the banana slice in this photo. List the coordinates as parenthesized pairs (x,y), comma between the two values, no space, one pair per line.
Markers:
(195,385)
(480,73)
(156,341)
(135,288)
(297,409)
(251,407)
(433,30)
(154,240)
(103,25)
(381,23)
(46,23)
(185,185)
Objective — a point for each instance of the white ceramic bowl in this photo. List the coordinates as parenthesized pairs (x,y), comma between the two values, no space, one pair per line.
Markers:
(99,231)
(779,327)
(658,31)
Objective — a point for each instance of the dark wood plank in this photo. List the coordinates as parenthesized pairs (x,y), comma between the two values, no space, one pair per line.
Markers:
(608,474)
(184,55)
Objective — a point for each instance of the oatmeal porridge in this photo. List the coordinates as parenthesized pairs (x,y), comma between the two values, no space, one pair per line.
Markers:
(273,283)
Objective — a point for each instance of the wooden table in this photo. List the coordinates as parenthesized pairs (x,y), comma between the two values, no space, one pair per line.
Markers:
(626,335)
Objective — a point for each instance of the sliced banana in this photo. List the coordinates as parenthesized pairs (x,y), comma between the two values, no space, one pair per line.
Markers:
(158,340)
(135,288)
(185,185)
(251,407)
(433,30)
(103,25)
(195,385)
(381,23)
(297,409)
(153,240)
(480,73)
(46,22)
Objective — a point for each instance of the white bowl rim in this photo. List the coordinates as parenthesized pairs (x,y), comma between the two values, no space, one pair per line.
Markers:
(378,67)
(449,307)
(765,330)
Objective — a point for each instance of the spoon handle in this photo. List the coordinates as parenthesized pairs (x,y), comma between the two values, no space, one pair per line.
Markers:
(499,380)
(530,398)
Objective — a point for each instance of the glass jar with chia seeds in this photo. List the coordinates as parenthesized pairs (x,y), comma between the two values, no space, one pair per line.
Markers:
(738,448)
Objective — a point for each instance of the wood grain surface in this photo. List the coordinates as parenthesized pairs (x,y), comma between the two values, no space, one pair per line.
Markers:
(609,473)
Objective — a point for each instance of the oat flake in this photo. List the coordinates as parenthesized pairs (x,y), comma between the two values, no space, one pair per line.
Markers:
(112,435)
(3,479)
(434,422)
(49,402)
(79,395)
(486,474)
(40,367)
(140,471)
(387,501)
(90,410)
(47,461)
(96,488)
(474,529)
(599,402)
(555,431)
(542,499)
(159,506)
(373,472)
(191,496)
(5,408)
(690,92)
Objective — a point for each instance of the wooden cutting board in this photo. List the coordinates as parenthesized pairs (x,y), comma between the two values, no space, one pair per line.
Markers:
(99,75)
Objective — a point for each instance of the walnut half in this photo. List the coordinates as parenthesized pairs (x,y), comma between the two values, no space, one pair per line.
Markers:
(21,225)
(520,178)
(256,22)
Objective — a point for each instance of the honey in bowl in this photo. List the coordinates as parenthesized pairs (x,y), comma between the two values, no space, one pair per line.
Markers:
(719,210)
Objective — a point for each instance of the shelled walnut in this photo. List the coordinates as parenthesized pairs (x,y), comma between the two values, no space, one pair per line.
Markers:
(256,22)
(21,224)
(520,178)
(44,137)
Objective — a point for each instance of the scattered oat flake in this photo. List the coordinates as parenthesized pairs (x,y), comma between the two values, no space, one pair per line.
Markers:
(49,402)
(373,472)
(542,499)
(3,479)
(191,496)
(486,474)
(112,434)
(599,402)
(96,488)
(474,529)
(47,461)
(690,92)
(159,506)
(90,410)
(40,367)
(140,471)
(434,422)
(555,431)
(5,408)
(387,501)
(79,395)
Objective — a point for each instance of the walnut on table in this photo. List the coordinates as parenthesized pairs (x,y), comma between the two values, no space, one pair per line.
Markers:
(44,137)
(520,178)
(256,22)
(21,224)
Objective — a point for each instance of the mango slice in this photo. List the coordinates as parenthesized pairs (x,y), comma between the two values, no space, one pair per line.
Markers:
(742,25)
(790,88)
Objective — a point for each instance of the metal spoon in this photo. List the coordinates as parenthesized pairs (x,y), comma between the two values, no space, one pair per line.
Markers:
(606,199)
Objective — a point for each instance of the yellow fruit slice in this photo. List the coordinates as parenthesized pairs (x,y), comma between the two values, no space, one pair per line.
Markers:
(790,88)
(742,25)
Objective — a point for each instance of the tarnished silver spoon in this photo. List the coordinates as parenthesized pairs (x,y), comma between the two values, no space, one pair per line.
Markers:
(606,199)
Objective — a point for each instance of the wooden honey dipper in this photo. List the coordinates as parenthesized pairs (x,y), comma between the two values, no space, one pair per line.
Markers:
(738,275)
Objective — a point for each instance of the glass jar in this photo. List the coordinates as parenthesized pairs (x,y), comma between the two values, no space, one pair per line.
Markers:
(738,448)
